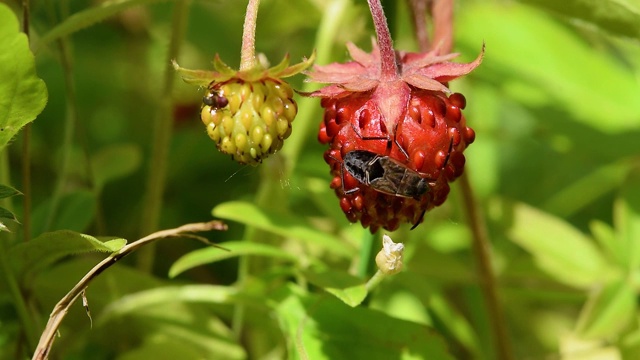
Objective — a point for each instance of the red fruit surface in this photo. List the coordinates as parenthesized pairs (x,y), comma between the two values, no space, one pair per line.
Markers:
(409,117)
(433,133)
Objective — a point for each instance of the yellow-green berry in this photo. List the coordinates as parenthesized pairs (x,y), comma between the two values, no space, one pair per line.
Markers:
(255,119)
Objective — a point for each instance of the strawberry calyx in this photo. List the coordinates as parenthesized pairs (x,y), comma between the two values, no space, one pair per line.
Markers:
(259,71)
(427,71)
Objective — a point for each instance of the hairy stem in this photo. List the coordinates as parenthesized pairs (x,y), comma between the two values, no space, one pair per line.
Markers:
(248,51)
(156,177)
(482,254)
(442,26)
(419,20)
(389,67)
(62,307)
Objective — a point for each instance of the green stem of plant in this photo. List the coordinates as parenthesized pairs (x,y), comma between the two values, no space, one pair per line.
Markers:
(71,119)
(6,239)
(482,254)
(271,195)
(26,149)
(26,182)
(248,50)
(367,248)
(375,280)
(327,31)
(28,323)
(161,144)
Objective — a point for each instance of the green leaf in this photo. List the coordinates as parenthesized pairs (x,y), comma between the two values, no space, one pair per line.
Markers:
(529,49)
(76,212)
(322,327)
(7,191)
(627,219)
(607,311)
(115,162)
(22,94)
(91,16)
(558,248)
(605,235)
(6,214)
(587,189)
(630,344)
(235,248)
(284,225)
(162,347)
(115,244)
(619,17)
(53,246)
(349,289)
(200,332)
(133,303)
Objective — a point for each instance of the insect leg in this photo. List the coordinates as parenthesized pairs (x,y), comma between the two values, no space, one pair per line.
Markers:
(415,225)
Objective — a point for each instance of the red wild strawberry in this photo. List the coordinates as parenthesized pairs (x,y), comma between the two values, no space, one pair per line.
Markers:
(405,112)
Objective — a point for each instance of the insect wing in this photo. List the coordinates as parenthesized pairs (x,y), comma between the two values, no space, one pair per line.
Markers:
(385,175)
(399,180)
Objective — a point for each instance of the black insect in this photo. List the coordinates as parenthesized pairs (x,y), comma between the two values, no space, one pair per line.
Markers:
(384,174)
(215,100)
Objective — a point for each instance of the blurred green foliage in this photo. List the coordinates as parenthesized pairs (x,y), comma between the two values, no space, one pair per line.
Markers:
(555,166)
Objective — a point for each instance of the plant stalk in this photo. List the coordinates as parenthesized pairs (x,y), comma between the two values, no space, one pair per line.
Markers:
(26,149)
(375,280)
(389,67)
(482,254)
(71,119)
(419,19)
(156,179)
(442,26)
(248,51)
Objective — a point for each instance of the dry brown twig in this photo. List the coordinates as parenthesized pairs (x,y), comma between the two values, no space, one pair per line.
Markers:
(62,307)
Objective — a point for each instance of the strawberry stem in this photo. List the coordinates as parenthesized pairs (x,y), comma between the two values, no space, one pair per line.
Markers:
(419,13)
(248,51)
(486,275)
(389,67)
(442,26)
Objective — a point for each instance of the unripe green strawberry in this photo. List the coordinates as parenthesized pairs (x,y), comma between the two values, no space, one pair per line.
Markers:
(248,113)
(249,120)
